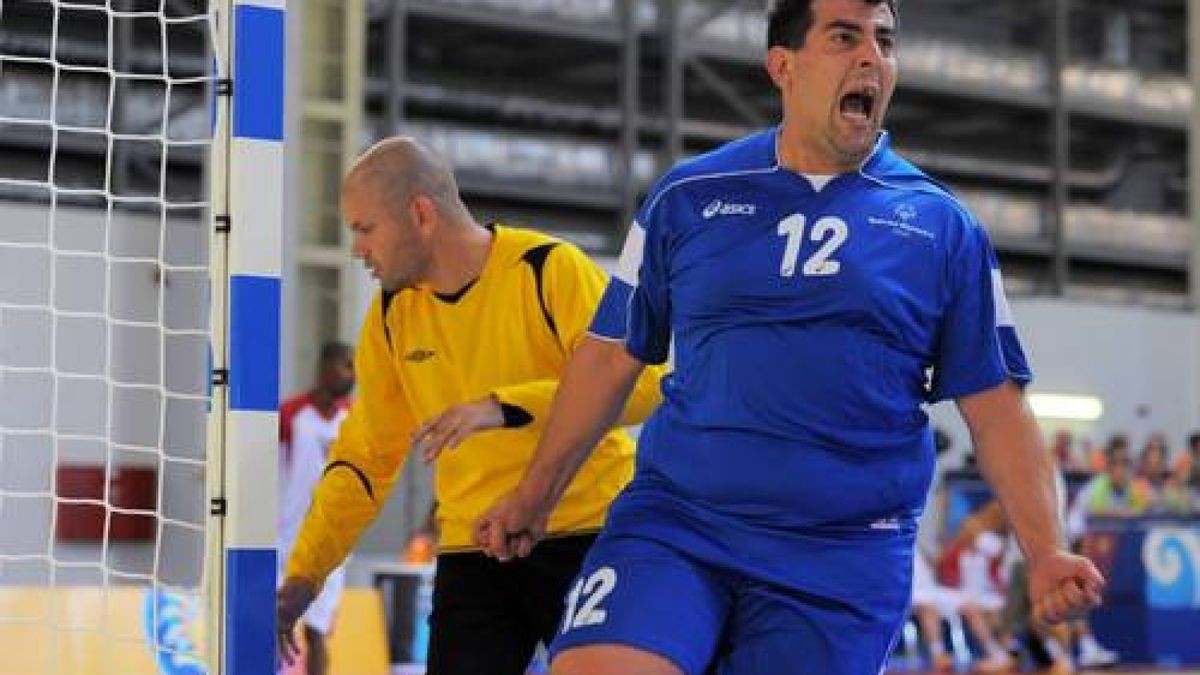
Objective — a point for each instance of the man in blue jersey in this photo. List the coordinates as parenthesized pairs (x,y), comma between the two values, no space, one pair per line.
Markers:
(817,290)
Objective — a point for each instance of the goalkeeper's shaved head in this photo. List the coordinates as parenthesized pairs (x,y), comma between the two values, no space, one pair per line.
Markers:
(398,168)
(409,225)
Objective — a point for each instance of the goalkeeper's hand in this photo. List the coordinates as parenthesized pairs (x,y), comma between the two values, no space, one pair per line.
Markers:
(292,599)
(455,424)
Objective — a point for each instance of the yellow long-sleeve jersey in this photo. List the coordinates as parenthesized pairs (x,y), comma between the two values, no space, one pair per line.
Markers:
(508,334)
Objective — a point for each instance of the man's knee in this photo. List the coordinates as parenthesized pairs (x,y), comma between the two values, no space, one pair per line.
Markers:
(611,660)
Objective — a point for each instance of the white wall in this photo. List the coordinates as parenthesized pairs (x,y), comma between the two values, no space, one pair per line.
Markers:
(103,359)
(1144,364)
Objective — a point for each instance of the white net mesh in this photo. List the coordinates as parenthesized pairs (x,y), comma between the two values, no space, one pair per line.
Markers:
(104,134)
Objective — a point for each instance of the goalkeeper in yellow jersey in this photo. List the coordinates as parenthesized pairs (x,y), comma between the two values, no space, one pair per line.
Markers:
(458,359)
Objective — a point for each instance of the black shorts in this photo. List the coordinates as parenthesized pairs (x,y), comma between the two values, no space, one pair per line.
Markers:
(489,616)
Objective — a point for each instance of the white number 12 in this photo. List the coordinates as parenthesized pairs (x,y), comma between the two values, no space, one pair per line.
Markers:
(830,230)
(592,591)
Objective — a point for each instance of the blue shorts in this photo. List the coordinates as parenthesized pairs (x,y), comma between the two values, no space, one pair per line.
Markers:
(710,617)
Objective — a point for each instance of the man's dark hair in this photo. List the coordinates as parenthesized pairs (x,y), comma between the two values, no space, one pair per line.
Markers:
(1193,440)
(335,351)
(788,21)
(1117,448)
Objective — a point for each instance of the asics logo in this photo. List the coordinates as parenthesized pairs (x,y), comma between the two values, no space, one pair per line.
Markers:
(719,208)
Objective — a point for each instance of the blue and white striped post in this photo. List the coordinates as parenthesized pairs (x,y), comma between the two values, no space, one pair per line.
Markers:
(246,284)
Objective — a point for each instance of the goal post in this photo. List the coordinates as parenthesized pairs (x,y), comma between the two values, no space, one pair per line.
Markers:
(141,209)
(247,217)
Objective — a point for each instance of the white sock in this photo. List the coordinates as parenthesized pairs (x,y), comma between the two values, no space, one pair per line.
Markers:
(1055,650)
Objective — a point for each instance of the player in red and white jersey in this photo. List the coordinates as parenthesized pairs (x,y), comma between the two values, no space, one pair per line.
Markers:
(308,423)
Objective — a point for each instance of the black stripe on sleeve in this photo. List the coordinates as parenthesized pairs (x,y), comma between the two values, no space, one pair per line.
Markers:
(515,416)
(362,477)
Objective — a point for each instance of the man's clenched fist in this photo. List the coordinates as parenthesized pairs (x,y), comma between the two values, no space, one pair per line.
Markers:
(292,599)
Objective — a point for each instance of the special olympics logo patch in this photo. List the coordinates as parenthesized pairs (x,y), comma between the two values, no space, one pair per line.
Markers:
(1171,556)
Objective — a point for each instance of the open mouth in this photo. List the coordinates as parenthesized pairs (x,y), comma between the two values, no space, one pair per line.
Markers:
(859,104)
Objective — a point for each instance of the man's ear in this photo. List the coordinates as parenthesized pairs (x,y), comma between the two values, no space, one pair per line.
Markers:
(425,213)
(779,66)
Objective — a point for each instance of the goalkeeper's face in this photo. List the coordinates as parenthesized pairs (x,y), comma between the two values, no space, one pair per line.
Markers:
(389,243)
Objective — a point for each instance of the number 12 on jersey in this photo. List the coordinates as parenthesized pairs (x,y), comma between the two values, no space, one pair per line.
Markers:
(830,231)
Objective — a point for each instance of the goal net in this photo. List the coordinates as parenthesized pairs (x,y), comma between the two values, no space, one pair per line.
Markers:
(116,291)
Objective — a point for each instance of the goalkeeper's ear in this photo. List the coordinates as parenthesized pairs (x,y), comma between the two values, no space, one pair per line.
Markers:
(424,215)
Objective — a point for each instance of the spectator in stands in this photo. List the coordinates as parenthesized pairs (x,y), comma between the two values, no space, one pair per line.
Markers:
(1152,463)
(1188,469)
(1099,457)
(1091,456)
(930,599)
(969,565)
(1174,496)
(930,602)
(982,598)
(1062,448)
(1188,463)
(1116,491)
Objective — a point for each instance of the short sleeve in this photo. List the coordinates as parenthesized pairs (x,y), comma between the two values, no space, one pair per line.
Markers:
(636,305)
(978,347)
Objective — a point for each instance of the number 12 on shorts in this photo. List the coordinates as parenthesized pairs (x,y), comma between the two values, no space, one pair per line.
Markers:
(591,590)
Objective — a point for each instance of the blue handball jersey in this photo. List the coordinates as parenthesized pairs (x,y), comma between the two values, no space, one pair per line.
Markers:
(808,327)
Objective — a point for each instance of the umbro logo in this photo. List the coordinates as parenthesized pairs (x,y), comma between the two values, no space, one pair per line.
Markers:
(719,208)
(419,355)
